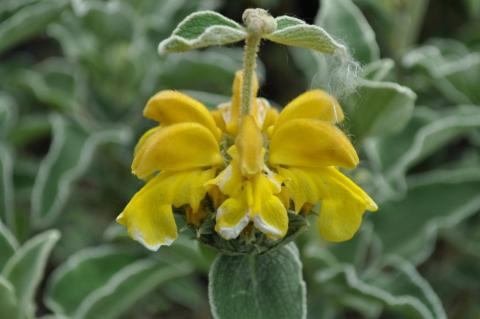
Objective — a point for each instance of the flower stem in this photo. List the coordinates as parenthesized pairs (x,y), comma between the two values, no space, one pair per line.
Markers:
(252,43)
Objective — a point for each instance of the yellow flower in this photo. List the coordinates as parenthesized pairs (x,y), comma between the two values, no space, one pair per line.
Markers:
(176,158)
(304,150)
(276,162)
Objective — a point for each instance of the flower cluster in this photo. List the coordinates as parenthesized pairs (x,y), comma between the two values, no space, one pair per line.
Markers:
(254,168)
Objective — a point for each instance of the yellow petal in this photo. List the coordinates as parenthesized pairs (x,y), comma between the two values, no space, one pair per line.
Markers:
(148,216)
(339,219)
(271,116)
(176,147)
(249,143)
(218,118)
(230,180)
(149,221)
(232,217)
(343,202)
(315,104)
(311,143)
(232,112)
(301,187)
(269,214)
(187,187)
(170,107)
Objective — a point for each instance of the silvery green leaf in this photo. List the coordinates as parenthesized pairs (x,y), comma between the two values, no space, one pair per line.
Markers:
(69,155)
(51,82)
(453,73)
(8,245)
(424,135)
(127,286)
(378,108)
(401,291)
(27,21)
(87,270)
(8,301)
(433,201)
(295,32)
(343,20)
(8,113)
(202,29)
(268,285)
(24,270)
(378,70)
(6,181)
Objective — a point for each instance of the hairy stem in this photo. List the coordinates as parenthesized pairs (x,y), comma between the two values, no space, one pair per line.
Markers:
(252,43)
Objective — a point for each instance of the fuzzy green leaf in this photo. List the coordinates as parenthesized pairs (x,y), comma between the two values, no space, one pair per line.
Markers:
(8,245)
(267,286)
(434,201)
(6,183)
(379,108)
(127,286)
(69,155)
(343,20)
(401,291)
(28,21)
(8,300)
(87,271)
(202,29)
(294,32)
(24,270)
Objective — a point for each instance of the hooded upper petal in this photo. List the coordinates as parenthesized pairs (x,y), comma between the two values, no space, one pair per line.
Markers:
(176,147)
(311,143)
(170,107)
(315,104)
(148,216)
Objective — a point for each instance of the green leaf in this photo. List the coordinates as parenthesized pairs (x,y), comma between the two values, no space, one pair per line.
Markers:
(426,133)
(69,155)
(25,269)
(8,300)
(433,201)
(51,82)
(343,20)
(8,114)
(28,21)
(8,245)
(379,108)
(399,290)
(202,29)
(263,286)
(454,74)
(87,270)
(127,286)
(378,70)
(294,32)
(6,181)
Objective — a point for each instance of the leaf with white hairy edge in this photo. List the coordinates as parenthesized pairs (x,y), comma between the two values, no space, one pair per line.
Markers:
(401,290)
(87,270)
(344,20)
(435,201)
(379,108)
(24,270)
(128,286)
(267,286)
(8,245)
(28,21)
(202,29)
(6,182)
(8,301)
(295,32)
(69,155)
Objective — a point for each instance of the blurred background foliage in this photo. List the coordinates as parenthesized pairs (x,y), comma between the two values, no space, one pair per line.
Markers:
(75,75)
